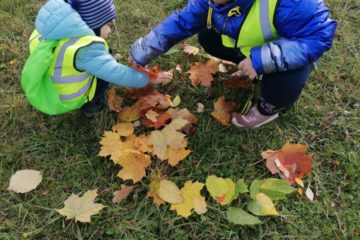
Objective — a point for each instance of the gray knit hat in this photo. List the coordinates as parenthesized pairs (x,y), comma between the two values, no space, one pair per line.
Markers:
(95,13)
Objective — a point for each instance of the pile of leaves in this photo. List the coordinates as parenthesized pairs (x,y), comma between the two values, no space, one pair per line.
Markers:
(152,130)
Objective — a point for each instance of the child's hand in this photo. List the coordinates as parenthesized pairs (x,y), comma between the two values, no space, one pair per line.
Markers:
(163,77)
(246,69)
(131,61)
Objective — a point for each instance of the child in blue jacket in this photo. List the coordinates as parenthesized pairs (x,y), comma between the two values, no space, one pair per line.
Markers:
(82,54)
(278,39)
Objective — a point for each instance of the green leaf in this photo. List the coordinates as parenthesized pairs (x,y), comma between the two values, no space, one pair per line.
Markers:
(239,216)
(222,190)
(176,102)
(262,206)
(274,188)
(240,187)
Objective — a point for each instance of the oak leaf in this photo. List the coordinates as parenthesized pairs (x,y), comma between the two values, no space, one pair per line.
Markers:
(223,111)
(202,73)
(122,194)
(192,199)
(81,208)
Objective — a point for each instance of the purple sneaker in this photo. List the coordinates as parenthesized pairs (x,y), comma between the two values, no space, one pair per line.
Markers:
(252,119)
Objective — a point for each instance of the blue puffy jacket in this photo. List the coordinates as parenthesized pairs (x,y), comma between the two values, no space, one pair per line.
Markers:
(57,20)
(305,28)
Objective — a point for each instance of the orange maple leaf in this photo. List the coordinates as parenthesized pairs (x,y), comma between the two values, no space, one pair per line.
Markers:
(291,161)
(161,120)
(134,165)
(223,111)
(201,73)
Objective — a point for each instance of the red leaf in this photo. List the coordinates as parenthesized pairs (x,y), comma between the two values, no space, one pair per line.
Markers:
(162,120)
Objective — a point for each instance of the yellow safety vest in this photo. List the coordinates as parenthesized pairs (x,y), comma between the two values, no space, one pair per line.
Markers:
(258,27)
(71,84)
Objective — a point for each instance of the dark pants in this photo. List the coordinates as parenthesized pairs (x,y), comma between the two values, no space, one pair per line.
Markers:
(279,90)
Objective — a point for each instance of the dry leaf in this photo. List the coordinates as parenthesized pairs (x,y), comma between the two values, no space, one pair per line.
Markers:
(169,192)
(223,111)
(114,100)
(238,82)
(200,108)
(25,181)
(136,93)
(154,187)
(201,73)
(192,199)
(161,120)
(309,194)
(222,68)
(81,208)
(174,157)
(122,194)
(152,116)
(130,114)
(124,129)
(184,114)
(134,164)
(190,49)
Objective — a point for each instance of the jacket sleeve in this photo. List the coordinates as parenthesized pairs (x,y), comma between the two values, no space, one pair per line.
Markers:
(175,28)
(306,31)
(96,60)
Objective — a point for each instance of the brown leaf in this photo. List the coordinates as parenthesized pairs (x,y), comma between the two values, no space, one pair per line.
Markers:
(239,82)
(201,73)
(161,120)
(223,111)
(139,92)
(114,100)
(190,49)
(184,114)
(122,194)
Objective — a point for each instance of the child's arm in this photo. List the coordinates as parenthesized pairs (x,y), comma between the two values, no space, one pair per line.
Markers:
(175,28)
(306,31)
(96,60)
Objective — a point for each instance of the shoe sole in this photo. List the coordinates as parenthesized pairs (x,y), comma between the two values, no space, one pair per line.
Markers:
(233,120)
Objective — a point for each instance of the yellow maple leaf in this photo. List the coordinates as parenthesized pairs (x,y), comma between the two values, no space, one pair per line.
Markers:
(192,200)
(81,208)
(168,136)
(124,129)
(111,145)
(154,187)
(175,156)
(134,164)
(130,114)
(223,111)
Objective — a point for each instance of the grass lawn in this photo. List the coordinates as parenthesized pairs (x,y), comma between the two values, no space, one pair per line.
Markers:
(65,148)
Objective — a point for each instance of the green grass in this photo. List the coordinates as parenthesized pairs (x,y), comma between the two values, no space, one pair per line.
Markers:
(65,148)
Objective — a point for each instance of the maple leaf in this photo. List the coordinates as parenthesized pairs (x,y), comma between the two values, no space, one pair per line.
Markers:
(114,100)
(122,194)
(153,100)
(134,164)
(123,129)
(168,136)
(184,114)
(81,208)
(136,93)
(169,192)
(191,193)
(156,119)
(222,190)
(239,82)
(152,72)
(25,181)
(291,161)
(111,145)
(130,114)
(154,187)
(174,157)
(190,49)
(201,73)
(223,111)
(262,206)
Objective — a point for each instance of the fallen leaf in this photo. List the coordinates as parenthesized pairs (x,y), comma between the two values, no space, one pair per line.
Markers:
(169,192)
(190,49)
(179,68)
(162,118)
(220,189)
(154,187)
(238,83)
(136,93)
(262,206)
(192,199)
(240,187)
(24,181)
(174,157)
(81,208)
(184,114)
(239,216)
(168,136)
(200,108)
(176,102)
(124,129)
(111,145)
(223,111)
(290,161)
(310,194)
(122,194)
(274,188)
(114,100)
(130,114)
(152,116)
(222,68)
(134,165)
(201,73)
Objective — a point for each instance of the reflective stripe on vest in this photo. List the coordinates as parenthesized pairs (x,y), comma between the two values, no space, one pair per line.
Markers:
(257,29)
(34,40)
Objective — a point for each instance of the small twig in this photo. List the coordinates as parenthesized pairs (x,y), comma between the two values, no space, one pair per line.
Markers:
(255,163)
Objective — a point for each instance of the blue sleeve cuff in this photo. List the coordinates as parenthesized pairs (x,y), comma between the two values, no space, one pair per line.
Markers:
(256,60)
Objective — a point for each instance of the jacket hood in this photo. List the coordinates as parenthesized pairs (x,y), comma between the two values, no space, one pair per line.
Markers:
(244,4)
(57,20)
